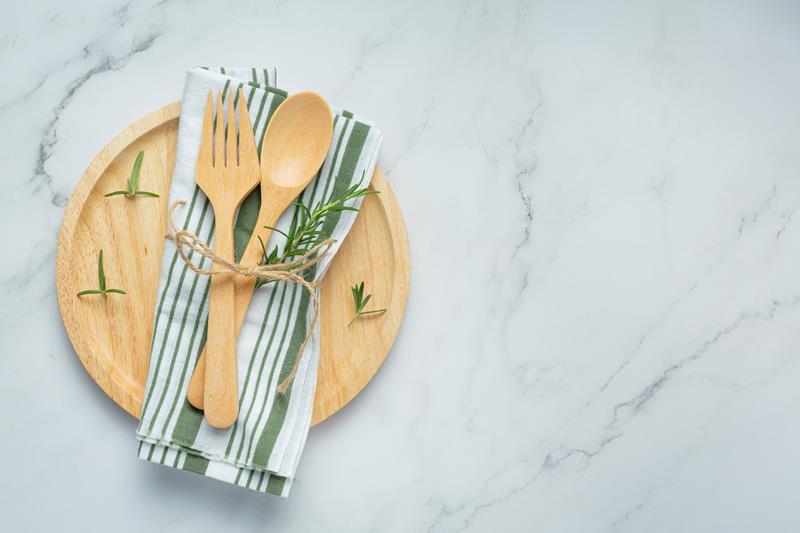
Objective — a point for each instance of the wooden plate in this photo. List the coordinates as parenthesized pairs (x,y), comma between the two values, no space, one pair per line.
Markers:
(112,335)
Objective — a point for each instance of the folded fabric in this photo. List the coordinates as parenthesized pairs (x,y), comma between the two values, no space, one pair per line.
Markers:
(262,449)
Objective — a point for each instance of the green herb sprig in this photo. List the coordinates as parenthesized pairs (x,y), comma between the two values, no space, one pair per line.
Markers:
(133,181)
(360,302)
(101,275)
(305,230)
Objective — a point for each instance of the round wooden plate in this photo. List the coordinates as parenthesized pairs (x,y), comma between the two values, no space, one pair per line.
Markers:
(112,335)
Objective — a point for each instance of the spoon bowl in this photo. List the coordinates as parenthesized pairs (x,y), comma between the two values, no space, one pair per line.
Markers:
(296,141)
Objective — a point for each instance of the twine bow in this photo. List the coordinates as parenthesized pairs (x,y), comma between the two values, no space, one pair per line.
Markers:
(290,272)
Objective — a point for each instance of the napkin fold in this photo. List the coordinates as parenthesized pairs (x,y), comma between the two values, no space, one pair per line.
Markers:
(262,449)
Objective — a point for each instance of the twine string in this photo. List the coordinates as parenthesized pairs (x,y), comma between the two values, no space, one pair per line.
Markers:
(290,271)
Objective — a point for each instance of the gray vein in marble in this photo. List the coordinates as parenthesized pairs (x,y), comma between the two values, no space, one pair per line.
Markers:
(632,354)
(746,222)
(446,512)
(522,173)
(613,432)
(106,62)
(41,257)
(416,133)
(787,220)
(634,405)
(365,49)
(630,512)
(749,220)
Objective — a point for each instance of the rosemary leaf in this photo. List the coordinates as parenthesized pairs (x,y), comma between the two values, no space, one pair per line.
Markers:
(101,281)
(137,169)
(101,275)
(359,302)
(90,291)
(133,181)
(305,229)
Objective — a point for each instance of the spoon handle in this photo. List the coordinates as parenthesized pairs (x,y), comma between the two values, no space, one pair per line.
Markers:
(268,215)
(221,395)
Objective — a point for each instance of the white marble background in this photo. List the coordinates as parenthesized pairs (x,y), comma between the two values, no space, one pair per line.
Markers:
(603,328)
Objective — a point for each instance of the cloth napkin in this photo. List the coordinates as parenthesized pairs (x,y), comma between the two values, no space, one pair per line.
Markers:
(262,449)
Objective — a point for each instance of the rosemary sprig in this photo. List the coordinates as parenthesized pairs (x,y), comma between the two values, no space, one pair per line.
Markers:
(133,181)
(359,302)
(305,230)
(101,275)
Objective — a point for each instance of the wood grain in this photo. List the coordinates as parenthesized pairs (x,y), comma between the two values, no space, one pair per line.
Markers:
(112,336)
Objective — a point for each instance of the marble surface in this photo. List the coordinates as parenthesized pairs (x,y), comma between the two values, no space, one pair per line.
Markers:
(602,332)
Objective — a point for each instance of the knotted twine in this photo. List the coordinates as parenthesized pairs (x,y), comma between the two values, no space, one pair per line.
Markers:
(289,271)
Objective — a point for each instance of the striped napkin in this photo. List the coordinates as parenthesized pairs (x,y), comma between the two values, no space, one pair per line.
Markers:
(262,449)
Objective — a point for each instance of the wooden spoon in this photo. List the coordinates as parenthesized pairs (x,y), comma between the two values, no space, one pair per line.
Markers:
(295,144)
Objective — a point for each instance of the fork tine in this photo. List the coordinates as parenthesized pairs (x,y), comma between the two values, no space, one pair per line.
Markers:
(230,156)
(219,135)
(247,142)
(206,139)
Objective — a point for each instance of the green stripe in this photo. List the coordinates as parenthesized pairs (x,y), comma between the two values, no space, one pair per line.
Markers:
(196,464)
(164,292)
(186,362)
(188,306)
(175,352)
(250,98)
(264,99)
(165,340)
(335,156)
(277,416)
(190,419)
(272,107)
(250,478)
(172,266)
(333,161)
(191,425)
(250,368)
(245,224)
(264,358)
(355,145)
(307,199)
(275,485)
(186,366)
(242,434)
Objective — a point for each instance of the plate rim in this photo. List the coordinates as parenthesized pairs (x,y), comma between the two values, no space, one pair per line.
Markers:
(116,391)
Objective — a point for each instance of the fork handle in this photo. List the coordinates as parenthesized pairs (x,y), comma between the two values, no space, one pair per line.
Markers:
(221,396)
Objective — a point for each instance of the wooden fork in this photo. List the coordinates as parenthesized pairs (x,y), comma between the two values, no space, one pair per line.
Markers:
(226,176)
